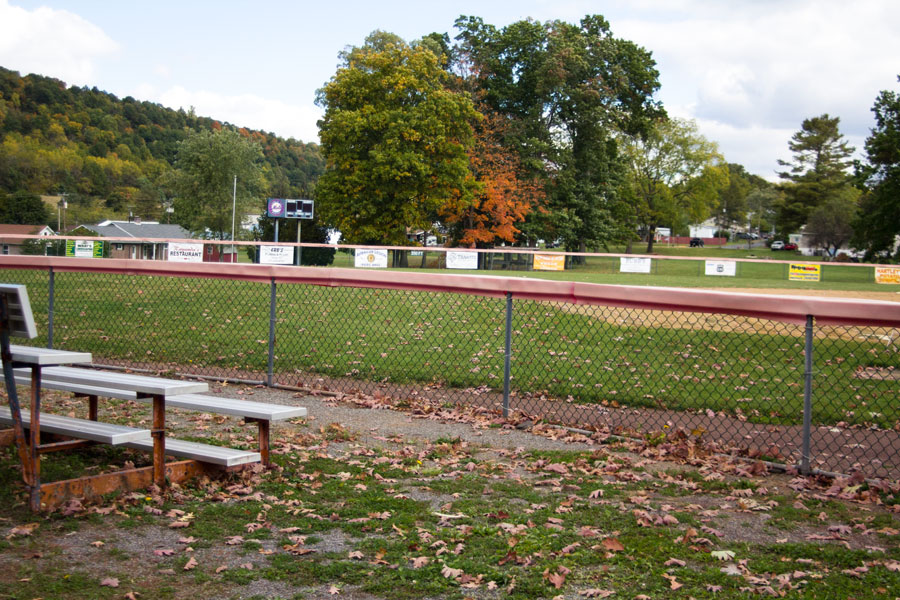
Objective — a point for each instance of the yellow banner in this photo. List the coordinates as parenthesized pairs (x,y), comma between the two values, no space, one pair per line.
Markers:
(800,272)
(549,262)
(887,274)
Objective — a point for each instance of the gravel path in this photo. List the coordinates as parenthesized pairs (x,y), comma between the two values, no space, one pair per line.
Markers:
(372,425)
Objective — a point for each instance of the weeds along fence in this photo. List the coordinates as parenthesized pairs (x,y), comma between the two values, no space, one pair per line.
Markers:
(803,381)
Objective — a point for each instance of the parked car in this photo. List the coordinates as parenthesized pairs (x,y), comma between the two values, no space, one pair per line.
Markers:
(696,243)
(790,246)
(777,245)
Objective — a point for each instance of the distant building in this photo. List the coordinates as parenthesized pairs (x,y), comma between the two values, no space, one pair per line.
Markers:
(13,246)
(146,250)
(706,229)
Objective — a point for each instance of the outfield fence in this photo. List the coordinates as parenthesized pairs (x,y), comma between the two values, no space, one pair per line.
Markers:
(811,382)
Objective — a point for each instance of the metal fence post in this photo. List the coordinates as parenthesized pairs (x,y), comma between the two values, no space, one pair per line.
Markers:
(51,297)
(271,368)
(507,354)
(807,396)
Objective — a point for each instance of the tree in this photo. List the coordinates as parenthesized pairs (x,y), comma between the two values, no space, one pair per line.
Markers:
(565,91)
(830,225)
(676,175)
(878,224)
(394,138)
(207,163)
(23,209)
(502,195)
(818,170)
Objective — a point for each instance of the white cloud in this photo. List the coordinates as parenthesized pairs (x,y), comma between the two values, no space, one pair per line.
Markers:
(751,72)
(52,42)
(244,110)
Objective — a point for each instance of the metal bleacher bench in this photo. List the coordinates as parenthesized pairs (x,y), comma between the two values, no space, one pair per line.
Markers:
(89,383)
(106,433)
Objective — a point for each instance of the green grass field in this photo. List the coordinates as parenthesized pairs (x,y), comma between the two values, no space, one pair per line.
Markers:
(589,355)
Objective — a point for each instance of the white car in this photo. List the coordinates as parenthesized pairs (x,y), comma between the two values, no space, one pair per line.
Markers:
(777,245)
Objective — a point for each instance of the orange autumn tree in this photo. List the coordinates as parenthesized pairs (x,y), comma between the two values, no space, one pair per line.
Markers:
(501,197)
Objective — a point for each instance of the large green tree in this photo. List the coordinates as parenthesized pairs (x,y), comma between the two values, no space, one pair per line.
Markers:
(818,170)
(395,137)
(23,209)
(207,164)
(878,224)
(676,176)
(566,91)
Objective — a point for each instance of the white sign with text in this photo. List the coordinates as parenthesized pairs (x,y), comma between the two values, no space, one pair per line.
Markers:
(462,260)
(370,259)
(722,268)
(276,255)
(634,265)
(184,252)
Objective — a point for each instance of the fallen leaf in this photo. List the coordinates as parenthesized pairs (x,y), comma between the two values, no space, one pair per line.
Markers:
(179,524)
(674,562)
(672,583)
(164,552)
(221,568)
(334,590)
(557,579)
(191,563)
(612,545)
(420,561)
(109,582)
(356,554)
(98,544)
(22,530)
(596,593)
(722,554)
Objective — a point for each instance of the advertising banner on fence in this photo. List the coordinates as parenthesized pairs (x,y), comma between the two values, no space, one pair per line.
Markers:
(370,259)
(184,252)
(723,268)
(549,262)
(84,249)
(462,260)
(799,272)
(276,255)
(634,265)
(887,274)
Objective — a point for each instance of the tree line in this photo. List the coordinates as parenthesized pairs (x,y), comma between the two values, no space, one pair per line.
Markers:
(552,131)
(113,157)
(537,130)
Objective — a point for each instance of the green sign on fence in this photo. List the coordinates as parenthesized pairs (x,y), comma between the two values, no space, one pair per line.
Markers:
(84,249)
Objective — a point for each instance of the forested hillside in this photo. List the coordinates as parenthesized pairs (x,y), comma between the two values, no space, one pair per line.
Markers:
(110,156)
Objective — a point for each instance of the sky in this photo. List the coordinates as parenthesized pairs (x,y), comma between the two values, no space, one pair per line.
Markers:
(748,71)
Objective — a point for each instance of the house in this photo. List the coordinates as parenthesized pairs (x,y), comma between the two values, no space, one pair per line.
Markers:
(146,250)
(12,246)
(706,229)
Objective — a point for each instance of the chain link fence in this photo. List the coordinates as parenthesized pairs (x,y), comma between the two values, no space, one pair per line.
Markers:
(737,382)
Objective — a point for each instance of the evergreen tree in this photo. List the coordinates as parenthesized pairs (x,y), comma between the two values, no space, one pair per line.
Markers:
(818,171)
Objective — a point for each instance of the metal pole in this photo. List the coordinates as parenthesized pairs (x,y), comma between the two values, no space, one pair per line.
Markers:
(276,231)
(271,369)
(233,210)
(299,248)
(507,354)
(51,300)
(807,397)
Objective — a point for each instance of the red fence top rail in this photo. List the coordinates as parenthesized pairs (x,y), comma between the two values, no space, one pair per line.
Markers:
(790,309)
